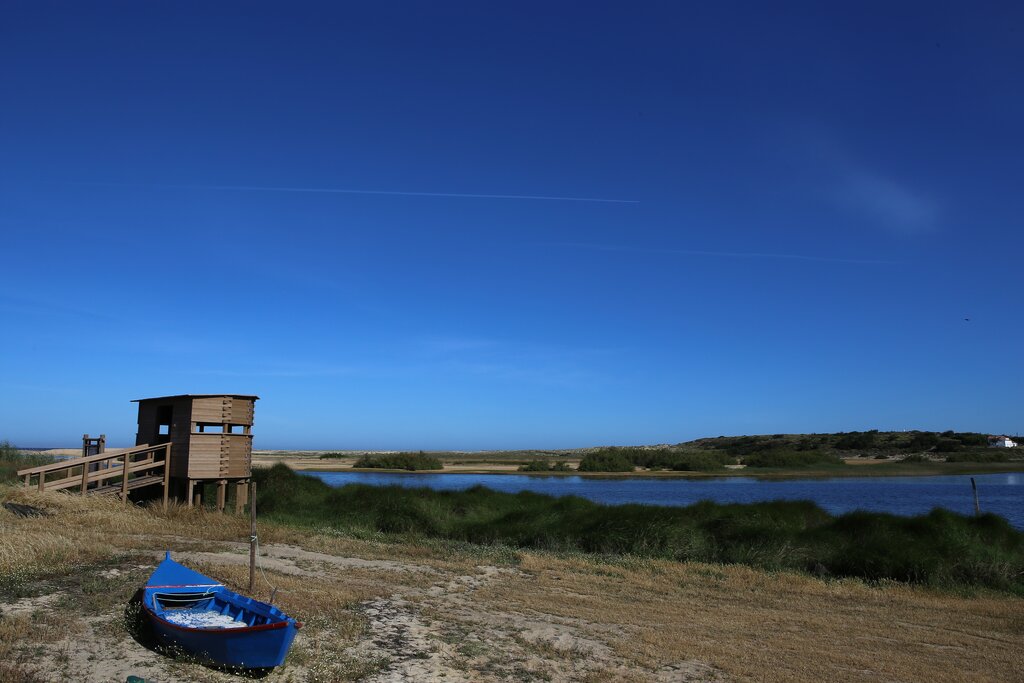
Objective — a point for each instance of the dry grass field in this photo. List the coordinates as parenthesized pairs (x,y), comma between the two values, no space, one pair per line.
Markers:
(379,610)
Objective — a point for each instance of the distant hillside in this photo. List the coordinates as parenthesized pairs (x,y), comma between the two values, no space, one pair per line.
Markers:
(846,444)
(800,452)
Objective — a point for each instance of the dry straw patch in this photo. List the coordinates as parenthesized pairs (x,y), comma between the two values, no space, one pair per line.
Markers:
(755,625)
(652,620)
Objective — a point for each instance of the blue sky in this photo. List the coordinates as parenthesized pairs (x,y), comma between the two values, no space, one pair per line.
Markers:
(472,225)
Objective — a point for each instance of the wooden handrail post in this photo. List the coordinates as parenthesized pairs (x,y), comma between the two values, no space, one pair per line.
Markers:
(252,536)
(167,473)
(124,478)
(42,480)
(85,478)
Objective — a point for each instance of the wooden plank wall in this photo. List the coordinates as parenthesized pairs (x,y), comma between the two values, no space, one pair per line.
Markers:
(181,437)
(207,455)
(222,455)
(147,432)
(178,434)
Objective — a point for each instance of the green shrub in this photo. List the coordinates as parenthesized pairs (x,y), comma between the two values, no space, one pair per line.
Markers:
(852,441)
(782,458)
(948,446)
(545,466)
(607,460)
(333,455)
(616,459)
(922,441)
(698,461)
(988,455)
(400,461)
(971,438)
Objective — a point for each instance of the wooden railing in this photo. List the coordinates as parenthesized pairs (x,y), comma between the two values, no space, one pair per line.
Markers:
(113,472)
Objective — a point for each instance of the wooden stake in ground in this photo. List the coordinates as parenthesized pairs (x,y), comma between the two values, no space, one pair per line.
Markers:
(252,536)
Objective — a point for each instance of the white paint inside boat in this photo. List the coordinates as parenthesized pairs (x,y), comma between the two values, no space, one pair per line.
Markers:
(202,619)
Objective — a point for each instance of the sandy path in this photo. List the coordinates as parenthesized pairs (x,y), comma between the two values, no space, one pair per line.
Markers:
(427,623)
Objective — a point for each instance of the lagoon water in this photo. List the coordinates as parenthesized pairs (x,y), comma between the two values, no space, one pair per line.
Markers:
(1002,494)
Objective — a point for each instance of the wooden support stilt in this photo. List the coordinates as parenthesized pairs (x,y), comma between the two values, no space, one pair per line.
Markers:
(241,496)
(222,494)
(191,485)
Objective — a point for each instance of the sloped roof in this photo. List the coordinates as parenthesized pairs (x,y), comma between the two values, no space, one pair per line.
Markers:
(165,398)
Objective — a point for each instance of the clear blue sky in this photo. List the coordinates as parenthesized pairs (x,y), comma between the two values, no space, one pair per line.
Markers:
(473,225)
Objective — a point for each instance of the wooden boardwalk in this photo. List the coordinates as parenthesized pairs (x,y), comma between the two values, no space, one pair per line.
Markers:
(109,473)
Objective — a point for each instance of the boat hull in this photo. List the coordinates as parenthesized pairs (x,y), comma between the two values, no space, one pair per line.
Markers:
(193,613)
(257,647)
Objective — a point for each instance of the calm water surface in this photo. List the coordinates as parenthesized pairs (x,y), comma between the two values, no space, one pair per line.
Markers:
(999,493)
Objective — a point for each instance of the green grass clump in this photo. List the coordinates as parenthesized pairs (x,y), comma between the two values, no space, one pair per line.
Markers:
(400,461)
(12,460)
(941,549)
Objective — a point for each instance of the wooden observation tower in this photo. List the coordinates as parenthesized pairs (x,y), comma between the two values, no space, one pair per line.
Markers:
(210,437)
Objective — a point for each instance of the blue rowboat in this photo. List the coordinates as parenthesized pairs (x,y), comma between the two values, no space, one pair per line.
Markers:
(201,616)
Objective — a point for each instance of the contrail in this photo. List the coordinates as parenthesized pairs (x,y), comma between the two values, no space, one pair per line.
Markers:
(725,254)
(329,190)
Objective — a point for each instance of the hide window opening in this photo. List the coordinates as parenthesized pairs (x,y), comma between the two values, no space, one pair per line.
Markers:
(164,418)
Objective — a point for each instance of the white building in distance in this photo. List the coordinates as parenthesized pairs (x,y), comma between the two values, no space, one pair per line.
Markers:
(1001,442)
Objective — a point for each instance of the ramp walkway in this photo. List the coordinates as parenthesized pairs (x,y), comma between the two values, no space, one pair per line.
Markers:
(109,473)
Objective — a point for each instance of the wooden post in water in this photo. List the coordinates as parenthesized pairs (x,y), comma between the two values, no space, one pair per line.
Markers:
(977,506)
(252,537)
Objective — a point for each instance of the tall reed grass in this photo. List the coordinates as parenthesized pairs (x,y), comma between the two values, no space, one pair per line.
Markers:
(12,460)
(940,548)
